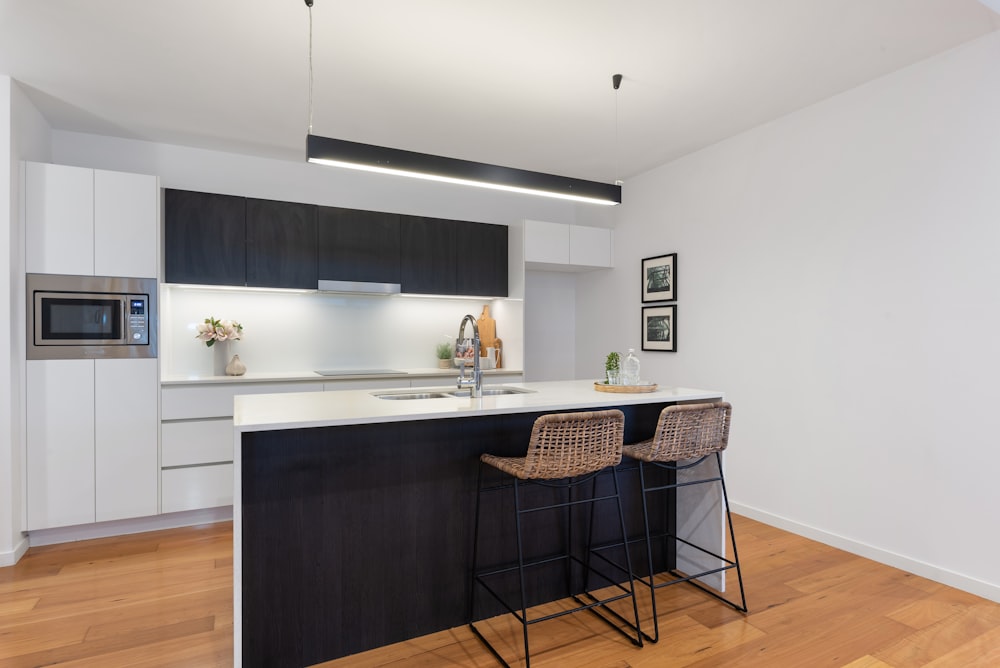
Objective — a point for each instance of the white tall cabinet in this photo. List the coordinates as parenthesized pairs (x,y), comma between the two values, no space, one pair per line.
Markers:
(90,222)
(92,425)
(92,441)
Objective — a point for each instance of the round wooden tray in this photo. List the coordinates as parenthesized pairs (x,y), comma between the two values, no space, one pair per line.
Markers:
(601,386)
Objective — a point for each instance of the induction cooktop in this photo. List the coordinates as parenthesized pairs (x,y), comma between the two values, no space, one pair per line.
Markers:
(361,372)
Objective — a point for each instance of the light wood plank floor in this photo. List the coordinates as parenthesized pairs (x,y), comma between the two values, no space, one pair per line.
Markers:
(164,599)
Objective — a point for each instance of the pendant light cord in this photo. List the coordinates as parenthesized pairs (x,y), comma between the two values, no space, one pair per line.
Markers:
(309,4)
(616,82)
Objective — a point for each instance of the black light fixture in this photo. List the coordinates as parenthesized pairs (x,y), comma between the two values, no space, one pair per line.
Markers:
(383,160)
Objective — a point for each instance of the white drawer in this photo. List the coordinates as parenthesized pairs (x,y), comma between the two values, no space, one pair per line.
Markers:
(196,442)
(207,401)
(196,487)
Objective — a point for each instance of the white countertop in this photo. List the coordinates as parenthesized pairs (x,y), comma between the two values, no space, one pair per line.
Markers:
(300,410)
(298,376)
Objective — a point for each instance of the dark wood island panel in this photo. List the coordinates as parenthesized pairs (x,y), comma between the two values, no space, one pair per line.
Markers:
(359,536)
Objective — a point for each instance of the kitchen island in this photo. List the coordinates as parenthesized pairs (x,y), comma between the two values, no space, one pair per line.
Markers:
(353,514)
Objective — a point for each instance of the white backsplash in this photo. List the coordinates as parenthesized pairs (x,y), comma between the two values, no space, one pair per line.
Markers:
(287,332)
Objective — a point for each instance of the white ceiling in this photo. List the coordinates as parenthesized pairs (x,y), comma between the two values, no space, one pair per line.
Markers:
(523,83)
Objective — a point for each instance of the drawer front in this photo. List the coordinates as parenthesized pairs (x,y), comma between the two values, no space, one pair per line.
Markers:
(208,401)
(196,487)
(196,442)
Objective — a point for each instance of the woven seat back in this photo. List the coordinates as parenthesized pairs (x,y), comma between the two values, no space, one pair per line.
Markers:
(563,445)
(691,430)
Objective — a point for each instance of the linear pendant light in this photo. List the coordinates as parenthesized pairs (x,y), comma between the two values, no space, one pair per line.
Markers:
(370,158)
(383,160)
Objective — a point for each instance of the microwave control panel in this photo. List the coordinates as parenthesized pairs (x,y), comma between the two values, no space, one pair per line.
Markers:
(137,329)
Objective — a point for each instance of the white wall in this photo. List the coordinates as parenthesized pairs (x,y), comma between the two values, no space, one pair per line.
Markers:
(23,135)
(549,325)
(838,279)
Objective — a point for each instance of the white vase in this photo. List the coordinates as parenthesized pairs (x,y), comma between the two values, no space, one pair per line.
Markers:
(220,357)
(235,367)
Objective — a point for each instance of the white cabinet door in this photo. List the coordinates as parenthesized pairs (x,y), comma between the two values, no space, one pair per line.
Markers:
(546,242)
(60,435)
(126,421)
(126,224)
(59,219)
(589,246)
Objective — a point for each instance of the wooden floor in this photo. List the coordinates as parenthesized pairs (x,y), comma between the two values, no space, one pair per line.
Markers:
(165,599)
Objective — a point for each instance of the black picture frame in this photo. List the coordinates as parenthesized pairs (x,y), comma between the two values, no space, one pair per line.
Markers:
(659,328)
(659,278)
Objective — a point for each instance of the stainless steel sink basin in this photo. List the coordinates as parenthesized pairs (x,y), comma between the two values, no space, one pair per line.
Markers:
(491,392)
(448,394)
(404,396)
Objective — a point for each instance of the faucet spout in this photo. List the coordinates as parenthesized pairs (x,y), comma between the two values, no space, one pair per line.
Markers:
(476,382)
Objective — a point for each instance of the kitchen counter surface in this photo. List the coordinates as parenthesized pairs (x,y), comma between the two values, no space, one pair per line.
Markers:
(301,410)
(296,376)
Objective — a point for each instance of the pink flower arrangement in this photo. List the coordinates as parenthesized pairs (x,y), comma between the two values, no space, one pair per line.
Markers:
(213,330)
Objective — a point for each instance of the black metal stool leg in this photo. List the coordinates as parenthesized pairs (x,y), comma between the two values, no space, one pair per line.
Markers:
(520,572)
(628,558)
(649,555)
(732,535)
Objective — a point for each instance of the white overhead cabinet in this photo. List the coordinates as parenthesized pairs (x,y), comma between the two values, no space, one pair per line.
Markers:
(90,222)
(560,247)
(92,441)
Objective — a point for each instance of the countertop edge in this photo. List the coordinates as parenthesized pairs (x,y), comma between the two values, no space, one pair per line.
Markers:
(313,377)
(351,407)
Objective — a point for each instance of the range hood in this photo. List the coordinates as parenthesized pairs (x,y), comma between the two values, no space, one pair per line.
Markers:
(360,288)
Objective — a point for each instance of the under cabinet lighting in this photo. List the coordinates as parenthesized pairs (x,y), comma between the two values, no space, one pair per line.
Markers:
(382,160)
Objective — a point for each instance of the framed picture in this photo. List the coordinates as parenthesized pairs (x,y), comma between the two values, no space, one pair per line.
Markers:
(659,328)
(659,278)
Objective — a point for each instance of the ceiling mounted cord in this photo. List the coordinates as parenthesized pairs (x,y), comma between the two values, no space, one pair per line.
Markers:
(616,82)
(309,4)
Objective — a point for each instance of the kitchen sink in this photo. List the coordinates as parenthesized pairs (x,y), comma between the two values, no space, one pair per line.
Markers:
(403,396)
(449,394)
(490,391)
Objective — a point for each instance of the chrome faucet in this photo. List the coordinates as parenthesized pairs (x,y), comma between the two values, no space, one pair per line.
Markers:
(476,382)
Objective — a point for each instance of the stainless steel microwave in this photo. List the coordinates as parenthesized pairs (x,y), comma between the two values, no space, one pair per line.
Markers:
(82,317)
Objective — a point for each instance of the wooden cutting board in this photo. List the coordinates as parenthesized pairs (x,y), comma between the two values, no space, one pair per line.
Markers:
(487,331)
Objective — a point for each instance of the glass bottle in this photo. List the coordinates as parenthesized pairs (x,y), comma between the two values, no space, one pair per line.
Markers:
(630,369)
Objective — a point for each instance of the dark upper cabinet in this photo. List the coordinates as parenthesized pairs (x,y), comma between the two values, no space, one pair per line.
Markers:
(481,259)
(428,256)
(358,245)
(224,240)
(204,238)
(281,244)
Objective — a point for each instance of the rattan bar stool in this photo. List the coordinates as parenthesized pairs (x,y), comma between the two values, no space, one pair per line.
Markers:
(686,436)
(566,451)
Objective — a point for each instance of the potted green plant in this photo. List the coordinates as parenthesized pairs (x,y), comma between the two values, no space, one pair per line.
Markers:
(612,369)
(445,355)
